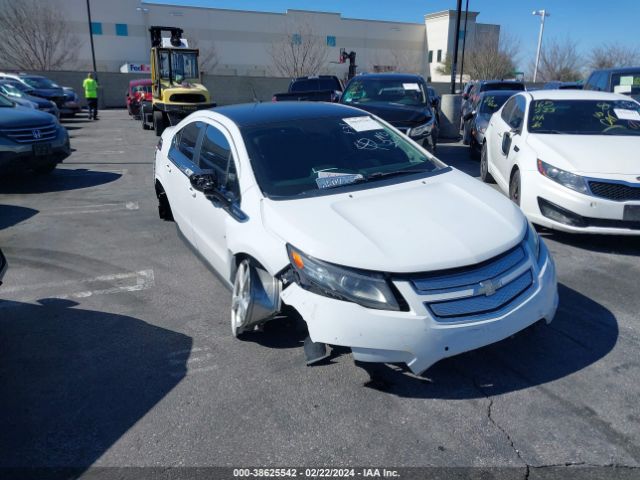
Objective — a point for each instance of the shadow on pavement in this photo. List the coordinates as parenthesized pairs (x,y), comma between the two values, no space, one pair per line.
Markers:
(73,381)
(457,155)
(61,179)
(617,244)
(582,333)
(11,215)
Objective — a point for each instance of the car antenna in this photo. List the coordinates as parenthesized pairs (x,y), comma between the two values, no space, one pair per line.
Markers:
(255,97)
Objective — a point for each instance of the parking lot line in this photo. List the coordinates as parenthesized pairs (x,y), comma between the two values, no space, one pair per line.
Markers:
(144,279)
(100,208)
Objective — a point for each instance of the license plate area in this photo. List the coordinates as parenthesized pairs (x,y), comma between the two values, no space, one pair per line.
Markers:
(42,149)
(631,213)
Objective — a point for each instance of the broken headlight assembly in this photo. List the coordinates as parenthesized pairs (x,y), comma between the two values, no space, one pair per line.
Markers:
(371,290)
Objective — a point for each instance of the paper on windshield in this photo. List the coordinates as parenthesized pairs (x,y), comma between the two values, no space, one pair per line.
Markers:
(622,89)
(411,86)
(624,114)
(628,80)
(362,124)
(336,179)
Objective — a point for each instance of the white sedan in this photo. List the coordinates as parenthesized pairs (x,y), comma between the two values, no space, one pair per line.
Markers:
(569,158)
(377,244)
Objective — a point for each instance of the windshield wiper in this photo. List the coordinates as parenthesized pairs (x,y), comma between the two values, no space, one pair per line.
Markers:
(548,131)
(393,173)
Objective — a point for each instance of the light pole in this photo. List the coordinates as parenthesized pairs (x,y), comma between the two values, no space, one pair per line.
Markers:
(454,63)
(542,14)
(93,52)
(464,41)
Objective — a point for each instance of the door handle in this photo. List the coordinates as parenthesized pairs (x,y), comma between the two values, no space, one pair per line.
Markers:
(516,149)
(168,165)
(193,192)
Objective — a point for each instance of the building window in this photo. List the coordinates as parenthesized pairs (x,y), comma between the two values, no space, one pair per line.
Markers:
(296,39)
(430,56)
(331,41)
(439,56)
(122,30)
(96,28)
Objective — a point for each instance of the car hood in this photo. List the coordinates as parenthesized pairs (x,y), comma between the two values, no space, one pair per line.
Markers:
(444,221)
(41,102)
(21,117)
(396,114)
(589,154)
(48,92)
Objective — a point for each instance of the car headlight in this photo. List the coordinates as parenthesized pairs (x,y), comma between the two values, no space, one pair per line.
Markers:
(533,241)
(567,179)
(422,129)
(370,290)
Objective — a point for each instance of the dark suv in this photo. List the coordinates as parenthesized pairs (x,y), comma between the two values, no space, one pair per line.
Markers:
(401,99)
(477,87)
(617,80)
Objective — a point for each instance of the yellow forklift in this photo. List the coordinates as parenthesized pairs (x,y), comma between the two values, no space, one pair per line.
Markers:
(175,78)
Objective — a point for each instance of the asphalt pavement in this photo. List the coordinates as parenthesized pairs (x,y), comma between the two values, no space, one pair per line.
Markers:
(116,350)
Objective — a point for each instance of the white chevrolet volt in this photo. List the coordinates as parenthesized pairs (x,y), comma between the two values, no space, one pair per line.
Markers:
(569,158)
(378,245)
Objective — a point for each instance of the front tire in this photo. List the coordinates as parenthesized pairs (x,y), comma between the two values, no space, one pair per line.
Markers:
(515,188)
(159,122)
(485,176)
(241,298)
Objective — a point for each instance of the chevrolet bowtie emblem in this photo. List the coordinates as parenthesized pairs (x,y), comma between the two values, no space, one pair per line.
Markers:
(488,287)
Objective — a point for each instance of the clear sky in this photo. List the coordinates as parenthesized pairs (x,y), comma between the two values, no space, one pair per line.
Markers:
(588,22)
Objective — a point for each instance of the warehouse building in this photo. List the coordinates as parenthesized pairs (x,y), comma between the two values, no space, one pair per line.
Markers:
(237,42)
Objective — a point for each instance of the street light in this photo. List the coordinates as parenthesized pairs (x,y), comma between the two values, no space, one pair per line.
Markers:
(542,14)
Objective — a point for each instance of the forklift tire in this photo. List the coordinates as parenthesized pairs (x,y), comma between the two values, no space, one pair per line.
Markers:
(159,122)
(143,117)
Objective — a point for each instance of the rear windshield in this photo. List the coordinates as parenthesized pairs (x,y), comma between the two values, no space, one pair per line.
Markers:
(315,85)
(39,82)
(492,103)
(141,89)
(300,157)
(627,83)
(502,86)
(585,117)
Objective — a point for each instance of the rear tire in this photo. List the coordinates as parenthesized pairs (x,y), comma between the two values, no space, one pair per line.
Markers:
(485,176)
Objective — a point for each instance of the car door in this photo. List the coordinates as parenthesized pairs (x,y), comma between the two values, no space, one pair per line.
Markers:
(499,126)
(512,138)
(210,218)
(180,166)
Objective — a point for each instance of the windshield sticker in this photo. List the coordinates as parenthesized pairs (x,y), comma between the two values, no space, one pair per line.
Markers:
(362,124)
(337,180)
(624,114)
(411,86)
(628,80)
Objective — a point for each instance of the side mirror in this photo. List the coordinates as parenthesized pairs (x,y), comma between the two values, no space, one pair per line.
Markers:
(465,96)
(204,182)
(469,116)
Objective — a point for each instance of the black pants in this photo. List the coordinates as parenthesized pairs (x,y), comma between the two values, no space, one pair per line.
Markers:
(93,107)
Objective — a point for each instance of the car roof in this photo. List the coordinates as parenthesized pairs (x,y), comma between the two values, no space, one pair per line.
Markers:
(488,82)
(247,114)
(575,95)
(140,81)
(412,77)
(499,93)
(618,70)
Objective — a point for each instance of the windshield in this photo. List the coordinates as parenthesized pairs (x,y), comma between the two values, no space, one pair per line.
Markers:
(10,90)
(492,103)
(305,156)
(141,89)
(315,85)
(585,117)
(39,82)
(184,65)
(18,85)
(385,90)
(627,83)
(5,102)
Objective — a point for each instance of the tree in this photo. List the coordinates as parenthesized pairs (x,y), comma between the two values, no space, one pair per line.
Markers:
(613,55)
(208,59)
(35,37)
(300,52)
(559,61)
(404,61)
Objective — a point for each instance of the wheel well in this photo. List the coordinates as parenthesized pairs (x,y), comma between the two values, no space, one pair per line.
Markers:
(513,171)
(237,259)
(159,188)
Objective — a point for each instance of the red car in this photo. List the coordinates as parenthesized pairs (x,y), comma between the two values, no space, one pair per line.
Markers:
(139,91)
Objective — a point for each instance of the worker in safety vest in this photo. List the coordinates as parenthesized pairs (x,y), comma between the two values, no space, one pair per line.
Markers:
(90,86)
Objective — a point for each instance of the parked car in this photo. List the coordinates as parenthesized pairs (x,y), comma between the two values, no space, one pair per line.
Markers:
(618,80)
(71,103)
(30,140)
(435,101)
(39,86)
(3,266)
(12,90)
(477,87)
(562,86)
(569,158)
(378,245)
(400,99)
(476,121)
(139,91)
(322,88)
(19,101)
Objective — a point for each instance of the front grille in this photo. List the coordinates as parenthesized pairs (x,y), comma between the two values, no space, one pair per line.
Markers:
(187,98)
(474,291)
(618,192)
(31,134)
